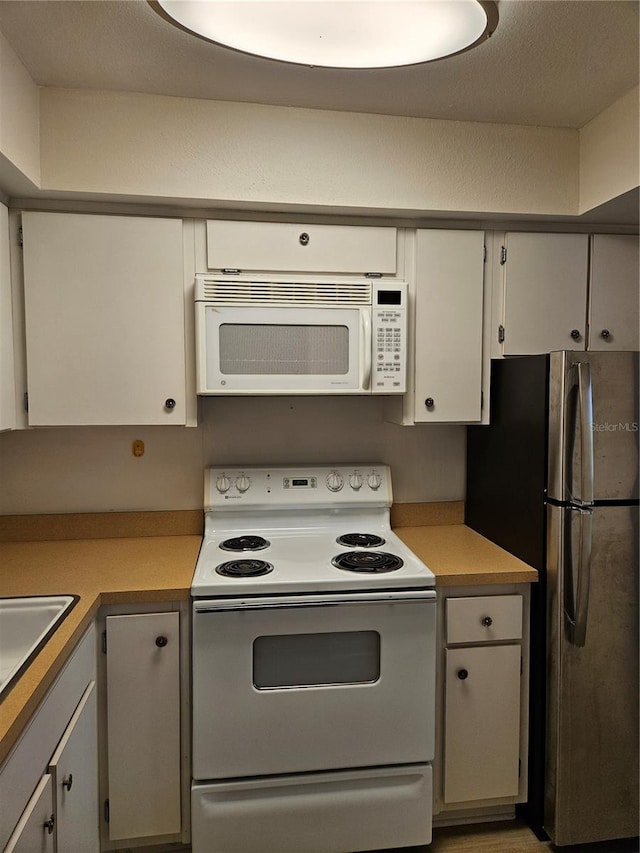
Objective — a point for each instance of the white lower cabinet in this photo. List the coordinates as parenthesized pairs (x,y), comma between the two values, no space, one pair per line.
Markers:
(481,723)
(482,719)
(38,811)
(144,774)
(35,830)
(74,771)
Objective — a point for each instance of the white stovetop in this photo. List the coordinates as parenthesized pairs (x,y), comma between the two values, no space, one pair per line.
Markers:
(302,527)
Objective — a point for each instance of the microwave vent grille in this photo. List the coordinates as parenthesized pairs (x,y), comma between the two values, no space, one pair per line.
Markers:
(283,293)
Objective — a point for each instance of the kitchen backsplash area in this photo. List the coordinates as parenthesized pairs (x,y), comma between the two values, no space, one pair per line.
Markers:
(93,469)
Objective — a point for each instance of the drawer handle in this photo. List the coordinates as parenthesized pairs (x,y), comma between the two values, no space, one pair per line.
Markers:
(463,674)
(161,642)
(487,621)
(67,783)
(303,239)
(49,824)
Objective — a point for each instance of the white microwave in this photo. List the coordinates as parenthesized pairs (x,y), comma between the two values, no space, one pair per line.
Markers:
(262,336)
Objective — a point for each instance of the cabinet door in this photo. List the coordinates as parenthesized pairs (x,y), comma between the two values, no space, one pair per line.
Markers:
(143,725)
(294,247)
(104,314)
(7,379)
(74,770)
(35,832)
(614,317)
(448,326)
(545,293)
(482,723)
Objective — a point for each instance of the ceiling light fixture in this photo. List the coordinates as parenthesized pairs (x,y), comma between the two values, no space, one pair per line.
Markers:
(337,33)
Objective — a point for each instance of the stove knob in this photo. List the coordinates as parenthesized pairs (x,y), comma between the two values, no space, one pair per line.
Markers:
(242,483)
(355,481)
(334,482)
(374,480)
(223,483)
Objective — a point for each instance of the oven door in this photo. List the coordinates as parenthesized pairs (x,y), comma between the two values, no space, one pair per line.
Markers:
(272,350)
(309,683)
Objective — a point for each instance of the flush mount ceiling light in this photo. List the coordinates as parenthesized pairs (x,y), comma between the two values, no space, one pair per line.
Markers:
(337,33)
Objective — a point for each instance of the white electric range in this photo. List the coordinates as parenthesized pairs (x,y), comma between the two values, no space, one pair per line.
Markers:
(313,666)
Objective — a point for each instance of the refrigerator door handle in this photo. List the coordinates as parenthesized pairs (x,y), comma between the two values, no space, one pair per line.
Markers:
(585,405)
(576,582)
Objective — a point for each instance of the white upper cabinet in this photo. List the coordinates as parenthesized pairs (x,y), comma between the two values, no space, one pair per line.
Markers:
(104,317)
(613,293)
(295,247)
(7,376)
(544,288)
(446,273)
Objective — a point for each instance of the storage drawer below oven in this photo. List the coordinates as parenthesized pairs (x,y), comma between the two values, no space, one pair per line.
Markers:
(340,812)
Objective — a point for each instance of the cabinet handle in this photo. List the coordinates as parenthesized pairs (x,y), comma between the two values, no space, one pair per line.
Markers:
(575,334)
(169,404)
(429,402)
(161,642)
(606,334)
(49,824)
(304,239)
(487,621)
(463,674)
(68,782)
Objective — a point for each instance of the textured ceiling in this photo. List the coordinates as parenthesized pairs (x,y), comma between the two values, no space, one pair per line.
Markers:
(550,62)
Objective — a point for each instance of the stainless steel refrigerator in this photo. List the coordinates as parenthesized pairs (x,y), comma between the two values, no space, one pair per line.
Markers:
(554,480)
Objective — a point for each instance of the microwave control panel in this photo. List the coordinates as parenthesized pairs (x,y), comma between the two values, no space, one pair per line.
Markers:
(389,339)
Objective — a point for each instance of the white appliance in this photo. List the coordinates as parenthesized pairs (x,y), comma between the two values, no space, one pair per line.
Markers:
(293,336)
(313,666)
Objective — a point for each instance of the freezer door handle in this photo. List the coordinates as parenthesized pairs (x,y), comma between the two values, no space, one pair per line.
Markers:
(577,577)
(582,419)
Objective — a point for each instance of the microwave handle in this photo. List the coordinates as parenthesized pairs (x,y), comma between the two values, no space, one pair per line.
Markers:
(365,349)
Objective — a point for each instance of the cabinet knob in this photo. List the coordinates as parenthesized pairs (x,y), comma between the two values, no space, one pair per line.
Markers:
(49,824)
(606,334)
(487,621)
(68,782)
(575,334)
(429,402)
(169,404)
(304,239)
(161,642)
(463,674)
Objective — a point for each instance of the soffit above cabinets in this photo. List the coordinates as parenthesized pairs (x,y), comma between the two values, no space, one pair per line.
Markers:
(553,64)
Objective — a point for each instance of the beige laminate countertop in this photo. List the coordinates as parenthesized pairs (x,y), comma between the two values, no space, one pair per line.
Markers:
(458,556)
(99,571)
(147,568)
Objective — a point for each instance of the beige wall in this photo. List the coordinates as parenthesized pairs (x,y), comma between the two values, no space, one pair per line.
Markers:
(92,469)
(609,156)
(220,153)
(19,116)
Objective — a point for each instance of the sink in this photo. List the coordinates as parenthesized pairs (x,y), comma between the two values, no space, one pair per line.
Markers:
(26,624)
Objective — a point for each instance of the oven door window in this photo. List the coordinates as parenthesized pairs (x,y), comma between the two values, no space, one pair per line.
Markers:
(315,660)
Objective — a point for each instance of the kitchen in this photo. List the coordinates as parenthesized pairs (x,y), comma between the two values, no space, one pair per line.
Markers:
(50,157)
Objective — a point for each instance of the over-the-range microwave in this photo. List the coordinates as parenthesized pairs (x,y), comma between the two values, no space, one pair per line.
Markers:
(319,336)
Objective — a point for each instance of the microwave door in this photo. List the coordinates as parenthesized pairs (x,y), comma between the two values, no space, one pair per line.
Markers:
(274,350)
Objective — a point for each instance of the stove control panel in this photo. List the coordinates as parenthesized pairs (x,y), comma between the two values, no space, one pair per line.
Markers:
(313,485)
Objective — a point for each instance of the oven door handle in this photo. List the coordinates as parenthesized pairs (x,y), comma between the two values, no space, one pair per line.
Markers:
(289,602)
